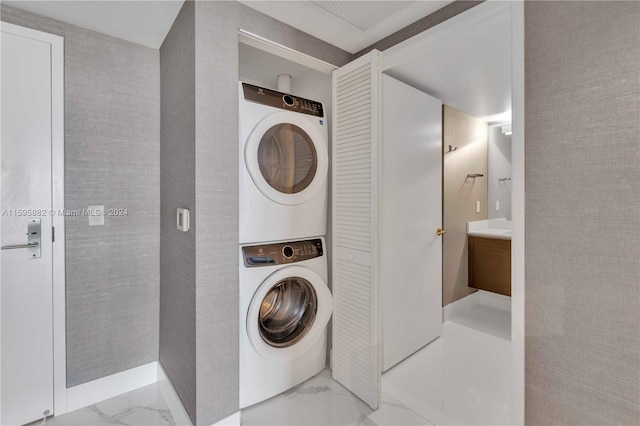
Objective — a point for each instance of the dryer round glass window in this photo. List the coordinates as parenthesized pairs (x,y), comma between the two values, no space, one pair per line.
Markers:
(287,158)
(287,312)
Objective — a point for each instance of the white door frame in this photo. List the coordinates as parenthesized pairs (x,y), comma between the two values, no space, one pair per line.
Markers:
(418,44)
(517,213)
(58,218)
(266,45)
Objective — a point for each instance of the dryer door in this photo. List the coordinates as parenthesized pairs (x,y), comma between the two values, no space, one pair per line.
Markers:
(288,313)
(286,156)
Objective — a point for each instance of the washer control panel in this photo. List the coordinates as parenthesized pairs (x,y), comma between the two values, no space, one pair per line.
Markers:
(281,253)
(281,100)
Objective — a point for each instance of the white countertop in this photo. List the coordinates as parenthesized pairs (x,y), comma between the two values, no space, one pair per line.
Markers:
(492,228)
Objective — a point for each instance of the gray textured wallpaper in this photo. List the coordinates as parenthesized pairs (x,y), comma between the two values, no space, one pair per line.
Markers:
(112,147)
(177,182)
(582,213)
(112,132)
(217,284)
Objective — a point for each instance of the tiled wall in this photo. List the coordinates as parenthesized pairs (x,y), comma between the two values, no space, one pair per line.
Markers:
(582,213)
(112,140)
(177,183)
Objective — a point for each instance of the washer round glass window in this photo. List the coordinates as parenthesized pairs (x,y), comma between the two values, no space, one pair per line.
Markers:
(287,158)
(287,312)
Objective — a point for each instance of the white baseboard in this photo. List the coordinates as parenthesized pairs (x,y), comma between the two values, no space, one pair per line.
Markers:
(107,387)
(172,399)
(232,420)
(480,297)
(493,300)
(126,381)
(457,307)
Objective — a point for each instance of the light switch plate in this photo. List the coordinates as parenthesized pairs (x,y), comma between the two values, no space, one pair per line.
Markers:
(96,215)
(477,206)
(182,219)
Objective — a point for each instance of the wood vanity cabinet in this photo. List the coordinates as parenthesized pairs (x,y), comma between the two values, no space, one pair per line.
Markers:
(490,264)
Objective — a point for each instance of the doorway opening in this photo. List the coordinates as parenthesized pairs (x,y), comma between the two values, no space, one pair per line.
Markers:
(472,373)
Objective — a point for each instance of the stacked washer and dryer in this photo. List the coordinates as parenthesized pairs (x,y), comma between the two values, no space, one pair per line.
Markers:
(285,303)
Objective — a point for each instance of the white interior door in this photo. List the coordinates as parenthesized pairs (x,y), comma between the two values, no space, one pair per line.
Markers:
(26,276)
(410,206)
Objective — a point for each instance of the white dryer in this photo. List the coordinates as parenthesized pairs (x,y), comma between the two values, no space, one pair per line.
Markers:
(285,306)
(284,164)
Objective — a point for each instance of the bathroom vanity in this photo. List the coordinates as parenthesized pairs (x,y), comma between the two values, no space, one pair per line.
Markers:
(490,255)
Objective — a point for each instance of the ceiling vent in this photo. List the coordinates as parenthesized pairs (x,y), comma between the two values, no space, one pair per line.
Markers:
(361,14)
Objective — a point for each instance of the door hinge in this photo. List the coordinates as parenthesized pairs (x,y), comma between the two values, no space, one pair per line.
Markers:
(53,234)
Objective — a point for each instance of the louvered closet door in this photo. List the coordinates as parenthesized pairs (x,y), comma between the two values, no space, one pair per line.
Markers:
(356,350)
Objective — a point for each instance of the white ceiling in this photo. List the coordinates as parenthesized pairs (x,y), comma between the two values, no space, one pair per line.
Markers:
(144,22)
(350,25)
(469,69)
(359,14)
(340,22)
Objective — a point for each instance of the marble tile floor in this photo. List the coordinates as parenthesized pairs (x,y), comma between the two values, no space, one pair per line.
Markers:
(318,401)
(323,401)
(141,407)
(461,378)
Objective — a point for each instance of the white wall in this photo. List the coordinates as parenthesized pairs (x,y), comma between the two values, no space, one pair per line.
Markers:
(499,152)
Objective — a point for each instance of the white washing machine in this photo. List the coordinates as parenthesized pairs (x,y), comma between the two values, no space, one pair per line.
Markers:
(284,164)
(285,306)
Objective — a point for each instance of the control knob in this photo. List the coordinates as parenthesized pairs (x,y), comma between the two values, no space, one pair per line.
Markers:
(287,251)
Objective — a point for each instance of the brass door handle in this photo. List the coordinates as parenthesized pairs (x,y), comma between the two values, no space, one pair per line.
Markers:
(440,231)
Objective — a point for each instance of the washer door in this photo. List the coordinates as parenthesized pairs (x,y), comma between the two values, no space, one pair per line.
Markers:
(286,156)
(288,313)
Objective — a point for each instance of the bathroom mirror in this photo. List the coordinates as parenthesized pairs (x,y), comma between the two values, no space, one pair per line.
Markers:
(499,170)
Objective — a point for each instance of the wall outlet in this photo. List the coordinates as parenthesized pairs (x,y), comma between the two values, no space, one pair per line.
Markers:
(477,206)
(96,215)
(497,206)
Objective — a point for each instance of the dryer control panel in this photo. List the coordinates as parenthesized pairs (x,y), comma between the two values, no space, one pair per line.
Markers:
(281,100)
(281,253)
